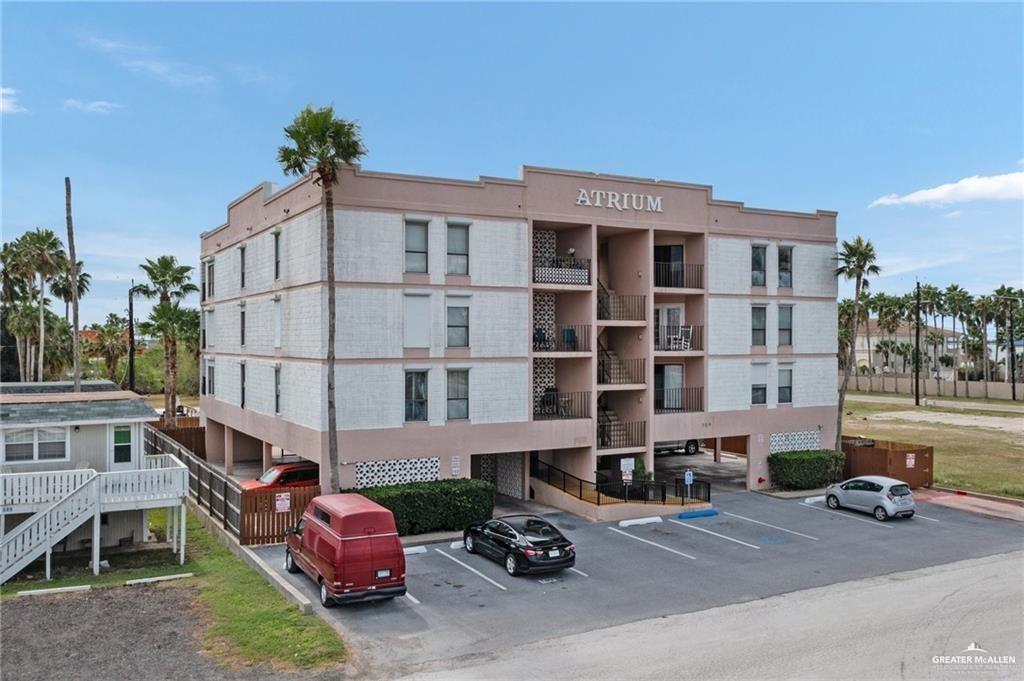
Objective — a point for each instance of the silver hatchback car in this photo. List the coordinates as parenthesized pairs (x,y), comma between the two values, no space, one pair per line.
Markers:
(882,497)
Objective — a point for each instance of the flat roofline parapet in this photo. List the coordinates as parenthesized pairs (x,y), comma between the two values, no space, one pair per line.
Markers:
(257,206)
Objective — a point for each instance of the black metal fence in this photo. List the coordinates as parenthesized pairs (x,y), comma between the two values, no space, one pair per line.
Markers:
(668,400)
(556,405)
(613,306)
(679,337)
(562,338)
(617,435)
(679,275)
(611,370)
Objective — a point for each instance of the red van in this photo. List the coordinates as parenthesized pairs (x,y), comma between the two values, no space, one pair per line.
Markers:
(350,546)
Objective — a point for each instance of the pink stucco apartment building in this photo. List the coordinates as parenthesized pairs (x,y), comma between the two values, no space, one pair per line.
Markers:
(570,316)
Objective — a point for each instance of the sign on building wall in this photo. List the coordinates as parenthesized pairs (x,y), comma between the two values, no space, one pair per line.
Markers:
(456,467)
(620,201)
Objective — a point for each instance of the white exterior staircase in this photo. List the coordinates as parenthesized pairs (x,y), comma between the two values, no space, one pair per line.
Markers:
(61,501)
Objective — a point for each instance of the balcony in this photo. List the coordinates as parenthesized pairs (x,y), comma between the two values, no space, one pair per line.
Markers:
(562,338)
(679,338)
(562,270)
(556,405)
(678,275)
(618,435)
(614,371)
(679,400)
(615,307)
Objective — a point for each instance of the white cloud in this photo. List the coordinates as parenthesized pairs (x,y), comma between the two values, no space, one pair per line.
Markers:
(1009,186)
(9,101)
(953,214)
(96,106)
(140,59)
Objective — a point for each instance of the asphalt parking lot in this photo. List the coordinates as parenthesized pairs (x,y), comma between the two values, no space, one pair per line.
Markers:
(758,546)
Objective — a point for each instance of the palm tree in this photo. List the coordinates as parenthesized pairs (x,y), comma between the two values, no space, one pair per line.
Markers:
(45,253)
(169,283)
(958,302)
(166,320)
(985,308)
(318,144)
(60,285)
(934,340)
(867,306)
(16,294)
(1004,308)
(110,343)
(905,350)
(855,260)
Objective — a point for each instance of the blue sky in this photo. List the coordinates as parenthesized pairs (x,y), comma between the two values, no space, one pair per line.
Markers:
(163,113)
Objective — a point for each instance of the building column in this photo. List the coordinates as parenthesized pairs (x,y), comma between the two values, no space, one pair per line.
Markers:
(718,449)
(268,455)
(229,450)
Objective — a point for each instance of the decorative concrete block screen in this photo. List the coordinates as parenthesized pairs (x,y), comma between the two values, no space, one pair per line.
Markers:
(505,472)
(397,471)
(797,441)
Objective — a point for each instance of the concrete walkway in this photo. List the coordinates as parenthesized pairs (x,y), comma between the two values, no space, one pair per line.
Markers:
(932,402)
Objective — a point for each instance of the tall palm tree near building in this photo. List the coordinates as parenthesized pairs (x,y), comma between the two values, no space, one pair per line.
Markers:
(318,144)
(45,254)
(16,294)
(867,306)
(60,285)
(905,351)
(984,311)
(166,320)
(934,340)
(958,303)
(1004,301)
(109,342)
(856,260)
(169,282)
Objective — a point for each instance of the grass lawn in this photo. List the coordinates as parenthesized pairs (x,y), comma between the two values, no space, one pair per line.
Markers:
(157,401)
(249,621)
(966,457)
(932,396)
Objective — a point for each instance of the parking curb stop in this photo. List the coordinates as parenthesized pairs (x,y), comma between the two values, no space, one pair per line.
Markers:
(640,521)
(704,513)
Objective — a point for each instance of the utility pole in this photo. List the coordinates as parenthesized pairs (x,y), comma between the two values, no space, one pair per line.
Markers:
(76,346)
(917,348)
(1013,358)
(131,337)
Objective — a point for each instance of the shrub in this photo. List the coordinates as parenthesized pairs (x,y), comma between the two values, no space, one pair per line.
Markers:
(806,469)
(432,506)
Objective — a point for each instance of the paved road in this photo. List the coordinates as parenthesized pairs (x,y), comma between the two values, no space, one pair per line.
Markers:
(948,404)
(888,627)
(465,605)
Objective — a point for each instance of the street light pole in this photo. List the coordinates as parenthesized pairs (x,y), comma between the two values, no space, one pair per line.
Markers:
(1013,359)
(917,348)
(131,337)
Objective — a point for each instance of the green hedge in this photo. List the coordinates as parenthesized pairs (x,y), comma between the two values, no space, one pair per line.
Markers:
(806,469)
(433,506)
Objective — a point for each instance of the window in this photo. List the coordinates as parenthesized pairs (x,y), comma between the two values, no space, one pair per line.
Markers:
(416,396)
(458,249)
(757,325)
(786,266)
(785,325)
(458,394)
(277,255)
(277,322)
(322,515)
(39,444)
(759,393)
(241,267)
(211,336)
(209,378)
(458,327)
(785,386)
(241,326)
(757,260)
(241,376)
(122,444)
(759,383)
(209,279)
(277,390)
(415,247)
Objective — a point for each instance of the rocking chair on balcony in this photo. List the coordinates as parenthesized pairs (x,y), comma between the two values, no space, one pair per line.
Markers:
(680,340)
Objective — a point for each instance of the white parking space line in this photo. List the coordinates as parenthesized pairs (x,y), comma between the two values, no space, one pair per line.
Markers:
(774,527)
(412,598)
(648,541)
(924,517)
(471,569)
(873,523)
(413,550)
(701,529)
(579,572)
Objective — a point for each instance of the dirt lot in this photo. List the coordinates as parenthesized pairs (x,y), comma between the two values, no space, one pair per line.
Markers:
(1009,425)
(141,632)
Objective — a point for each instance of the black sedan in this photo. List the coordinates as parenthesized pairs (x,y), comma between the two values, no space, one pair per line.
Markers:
(522,543)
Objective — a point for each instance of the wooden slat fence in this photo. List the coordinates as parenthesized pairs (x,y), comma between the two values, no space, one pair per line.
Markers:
(210,488)
(266,513)
(190,435)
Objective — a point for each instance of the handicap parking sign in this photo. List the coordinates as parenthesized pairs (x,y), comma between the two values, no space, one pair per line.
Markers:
(688,477)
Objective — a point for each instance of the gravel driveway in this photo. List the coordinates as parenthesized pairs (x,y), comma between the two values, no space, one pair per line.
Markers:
(140,632)
(1003,423)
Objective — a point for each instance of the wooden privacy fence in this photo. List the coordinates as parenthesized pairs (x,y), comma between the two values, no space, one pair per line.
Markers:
(913,464)
(190,435)
(210,488)
(266,513)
